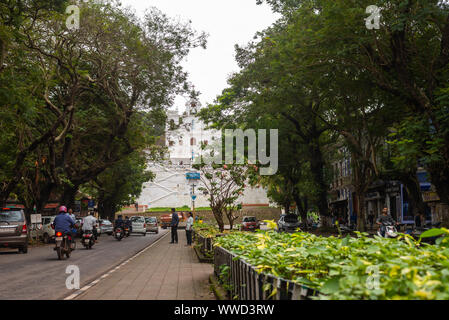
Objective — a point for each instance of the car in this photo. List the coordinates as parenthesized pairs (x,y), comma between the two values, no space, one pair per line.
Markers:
(105,227)
(152,224)
(249,224)
(47,232)
(166,220)
(139,225)
(13,229)
(288,223)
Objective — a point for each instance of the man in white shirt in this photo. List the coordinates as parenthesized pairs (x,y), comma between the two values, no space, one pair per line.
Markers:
(189,229)
(89,224)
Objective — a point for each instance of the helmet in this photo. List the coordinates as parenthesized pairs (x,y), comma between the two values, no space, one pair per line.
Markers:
(62,209)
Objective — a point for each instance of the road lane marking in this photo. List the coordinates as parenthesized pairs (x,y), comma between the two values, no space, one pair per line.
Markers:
(93,283)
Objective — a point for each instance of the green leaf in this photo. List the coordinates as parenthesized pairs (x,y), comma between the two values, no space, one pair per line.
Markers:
(432,233)
(331,286)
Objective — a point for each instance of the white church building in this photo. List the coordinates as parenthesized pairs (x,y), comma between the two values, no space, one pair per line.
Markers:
(171,187)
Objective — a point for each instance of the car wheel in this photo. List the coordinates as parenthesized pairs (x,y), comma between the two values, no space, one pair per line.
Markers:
(23,249)
(46,238)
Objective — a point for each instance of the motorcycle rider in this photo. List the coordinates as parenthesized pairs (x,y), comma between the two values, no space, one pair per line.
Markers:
(129,224)
(119,222)
(89,223)
(64,223)
(383,219)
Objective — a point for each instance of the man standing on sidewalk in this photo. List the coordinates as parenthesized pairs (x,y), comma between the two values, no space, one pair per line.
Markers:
(189,229)
(174,226)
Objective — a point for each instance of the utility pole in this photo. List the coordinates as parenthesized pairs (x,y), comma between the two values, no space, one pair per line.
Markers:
(193,198)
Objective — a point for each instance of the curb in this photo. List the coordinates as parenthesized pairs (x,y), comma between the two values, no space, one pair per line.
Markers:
(201,257)
(218,291)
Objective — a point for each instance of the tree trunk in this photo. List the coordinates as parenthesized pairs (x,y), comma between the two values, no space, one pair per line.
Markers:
(68,196)
(439,175)
(218,214)
(317,170)
(302,207)
(361,223)
(411,183)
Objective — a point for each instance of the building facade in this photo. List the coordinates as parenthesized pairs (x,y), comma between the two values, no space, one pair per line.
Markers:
(174,185)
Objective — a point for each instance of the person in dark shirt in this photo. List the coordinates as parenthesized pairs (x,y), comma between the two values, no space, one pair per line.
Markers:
(174,226)
(119,222)
(418,223)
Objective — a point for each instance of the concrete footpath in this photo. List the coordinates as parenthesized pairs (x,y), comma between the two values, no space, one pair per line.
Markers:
(163,272)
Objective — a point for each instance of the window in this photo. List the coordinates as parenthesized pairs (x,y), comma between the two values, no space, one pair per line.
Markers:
(206,142)
(171,143)
(193,142)
(180,142)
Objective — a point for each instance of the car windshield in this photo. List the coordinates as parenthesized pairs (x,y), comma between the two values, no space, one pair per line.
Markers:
(106,222)
(7,216)
(137,219)
(249,219)
(291,218)
(151,220)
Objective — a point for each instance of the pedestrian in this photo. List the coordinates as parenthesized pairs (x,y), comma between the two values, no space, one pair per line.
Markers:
(418,222)
(371,219)
(174,226)
(423,220)
(189,229)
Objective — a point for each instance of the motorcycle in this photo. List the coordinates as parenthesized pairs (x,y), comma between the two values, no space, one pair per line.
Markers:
(390,230)
(88,239)
(64,245)
(119,233)
(126,232)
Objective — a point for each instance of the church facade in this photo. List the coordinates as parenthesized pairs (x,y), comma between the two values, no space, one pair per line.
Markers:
(174,183)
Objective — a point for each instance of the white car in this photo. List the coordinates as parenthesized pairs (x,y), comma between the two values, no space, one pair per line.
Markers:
(139,225)
(47,232)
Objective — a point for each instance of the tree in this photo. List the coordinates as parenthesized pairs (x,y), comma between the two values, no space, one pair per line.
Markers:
(224,185)
(273,90)
(88,92)
(120,185)
(406,58)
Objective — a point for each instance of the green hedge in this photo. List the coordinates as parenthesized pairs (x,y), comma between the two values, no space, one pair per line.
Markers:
(348,268)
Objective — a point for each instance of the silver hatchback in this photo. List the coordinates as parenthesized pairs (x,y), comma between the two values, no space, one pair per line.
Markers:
(13,229)
(139,225)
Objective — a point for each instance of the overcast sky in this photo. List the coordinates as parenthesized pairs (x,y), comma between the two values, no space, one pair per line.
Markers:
(228,22)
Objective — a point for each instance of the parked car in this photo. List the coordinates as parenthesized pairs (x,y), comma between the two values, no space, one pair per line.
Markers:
(152,225)
(106,227)
(47,233)
(249,224)
(139,225)
(13,229)
(166,220)
(288,223)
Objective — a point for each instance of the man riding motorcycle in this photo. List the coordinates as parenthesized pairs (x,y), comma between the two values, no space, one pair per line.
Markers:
(119,222)
(385,219)
(129,224)
(64,223)
(89,223)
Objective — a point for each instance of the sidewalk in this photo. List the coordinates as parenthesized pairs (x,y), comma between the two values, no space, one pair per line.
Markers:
(163,272)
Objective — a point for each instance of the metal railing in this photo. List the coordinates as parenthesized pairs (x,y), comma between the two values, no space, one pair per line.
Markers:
(243,282)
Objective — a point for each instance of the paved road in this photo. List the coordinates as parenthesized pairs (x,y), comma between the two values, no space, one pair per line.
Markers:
(40,275)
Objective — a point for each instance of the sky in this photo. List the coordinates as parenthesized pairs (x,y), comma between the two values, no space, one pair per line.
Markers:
(228,22)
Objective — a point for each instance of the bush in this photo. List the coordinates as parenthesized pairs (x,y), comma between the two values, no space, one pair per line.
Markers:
(348,268)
